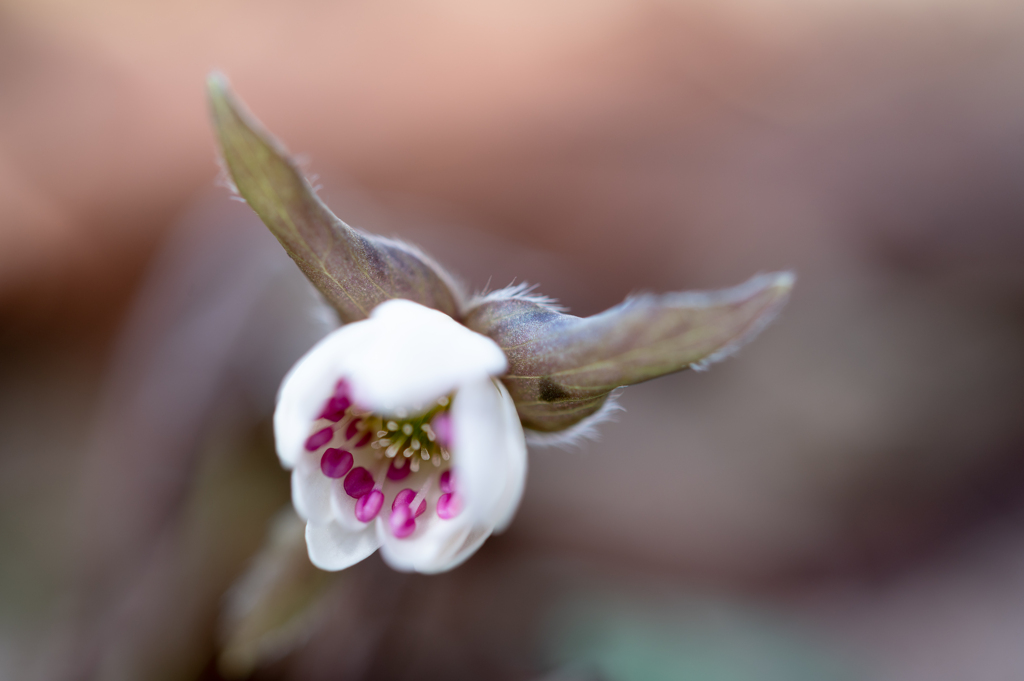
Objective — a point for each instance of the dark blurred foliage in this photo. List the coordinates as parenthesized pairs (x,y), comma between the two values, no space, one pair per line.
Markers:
(843,500)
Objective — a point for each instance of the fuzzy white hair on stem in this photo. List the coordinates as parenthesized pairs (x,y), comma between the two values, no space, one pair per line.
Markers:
(521,291)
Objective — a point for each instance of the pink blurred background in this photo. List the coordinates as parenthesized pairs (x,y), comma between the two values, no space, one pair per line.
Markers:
(843,500)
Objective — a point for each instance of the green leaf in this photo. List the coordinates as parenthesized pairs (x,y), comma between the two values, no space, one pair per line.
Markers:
(562,368)
(355,271)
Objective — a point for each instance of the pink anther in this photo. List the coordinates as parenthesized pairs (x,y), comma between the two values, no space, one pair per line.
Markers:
(405,498)
(338,404)
(442,426)
(358,482)
(448,506)
(369,506)
(319,439)
(446,482)
(396,473)
(402,522)
(335,462)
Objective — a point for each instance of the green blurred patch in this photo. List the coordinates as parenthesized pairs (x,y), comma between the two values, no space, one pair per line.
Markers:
(675,638)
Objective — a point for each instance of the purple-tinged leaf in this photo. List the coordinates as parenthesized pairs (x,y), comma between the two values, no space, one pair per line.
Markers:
(355,271)
(562,368)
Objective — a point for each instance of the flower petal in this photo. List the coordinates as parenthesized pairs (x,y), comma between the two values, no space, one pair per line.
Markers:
(332,547)
(309,385)
(515,462)
(457,546)
(343,508)
(417,355)
(489,450)
(311,491)
(470,544)
(429,549)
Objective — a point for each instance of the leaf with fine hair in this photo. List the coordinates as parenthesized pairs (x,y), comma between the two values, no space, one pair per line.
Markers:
(355,271)
(562,368)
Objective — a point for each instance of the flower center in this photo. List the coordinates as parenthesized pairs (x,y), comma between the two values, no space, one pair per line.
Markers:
(420,438)
(401,462)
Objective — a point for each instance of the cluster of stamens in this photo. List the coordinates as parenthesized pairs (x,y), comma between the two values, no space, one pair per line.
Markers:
(414,438)
(399,440)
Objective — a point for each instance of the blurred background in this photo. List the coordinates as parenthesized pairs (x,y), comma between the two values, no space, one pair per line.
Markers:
(843,500)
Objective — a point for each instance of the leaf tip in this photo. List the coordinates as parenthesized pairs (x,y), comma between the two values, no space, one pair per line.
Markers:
(216,83)
(773,291)
(221,100)
(778,286)
(782,281)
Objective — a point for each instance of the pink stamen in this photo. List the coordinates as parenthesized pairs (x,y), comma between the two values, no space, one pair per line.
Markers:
(352,429)
(338,404)
(445,482)
(369,506)
(449,505)
(335,408)
(335,462)
(358,483)
(402,522)
(396,473)
(319,439)
(442,426)
(405,498)
(365,440)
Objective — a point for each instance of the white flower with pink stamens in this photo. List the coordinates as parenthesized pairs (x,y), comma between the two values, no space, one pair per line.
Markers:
(400,438)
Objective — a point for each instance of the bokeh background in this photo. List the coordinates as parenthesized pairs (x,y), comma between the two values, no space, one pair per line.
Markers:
(843,500)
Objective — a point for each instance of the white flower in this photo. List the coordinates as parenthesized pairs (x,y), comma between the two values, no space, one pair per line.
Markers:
(400,438)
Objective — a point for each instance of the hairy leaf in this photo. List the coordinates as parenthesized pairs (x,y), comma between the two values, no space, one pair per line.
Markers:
(355,271)
(562,368)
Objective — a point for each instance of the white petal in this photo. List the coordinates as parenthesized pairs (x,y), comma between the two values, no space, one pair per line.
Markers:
(489,452)
(343,508)
(417,355)
(311,491)
(515,462)
(309,385)
(470,544)
(450,545)
(332,547)
(429,549)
